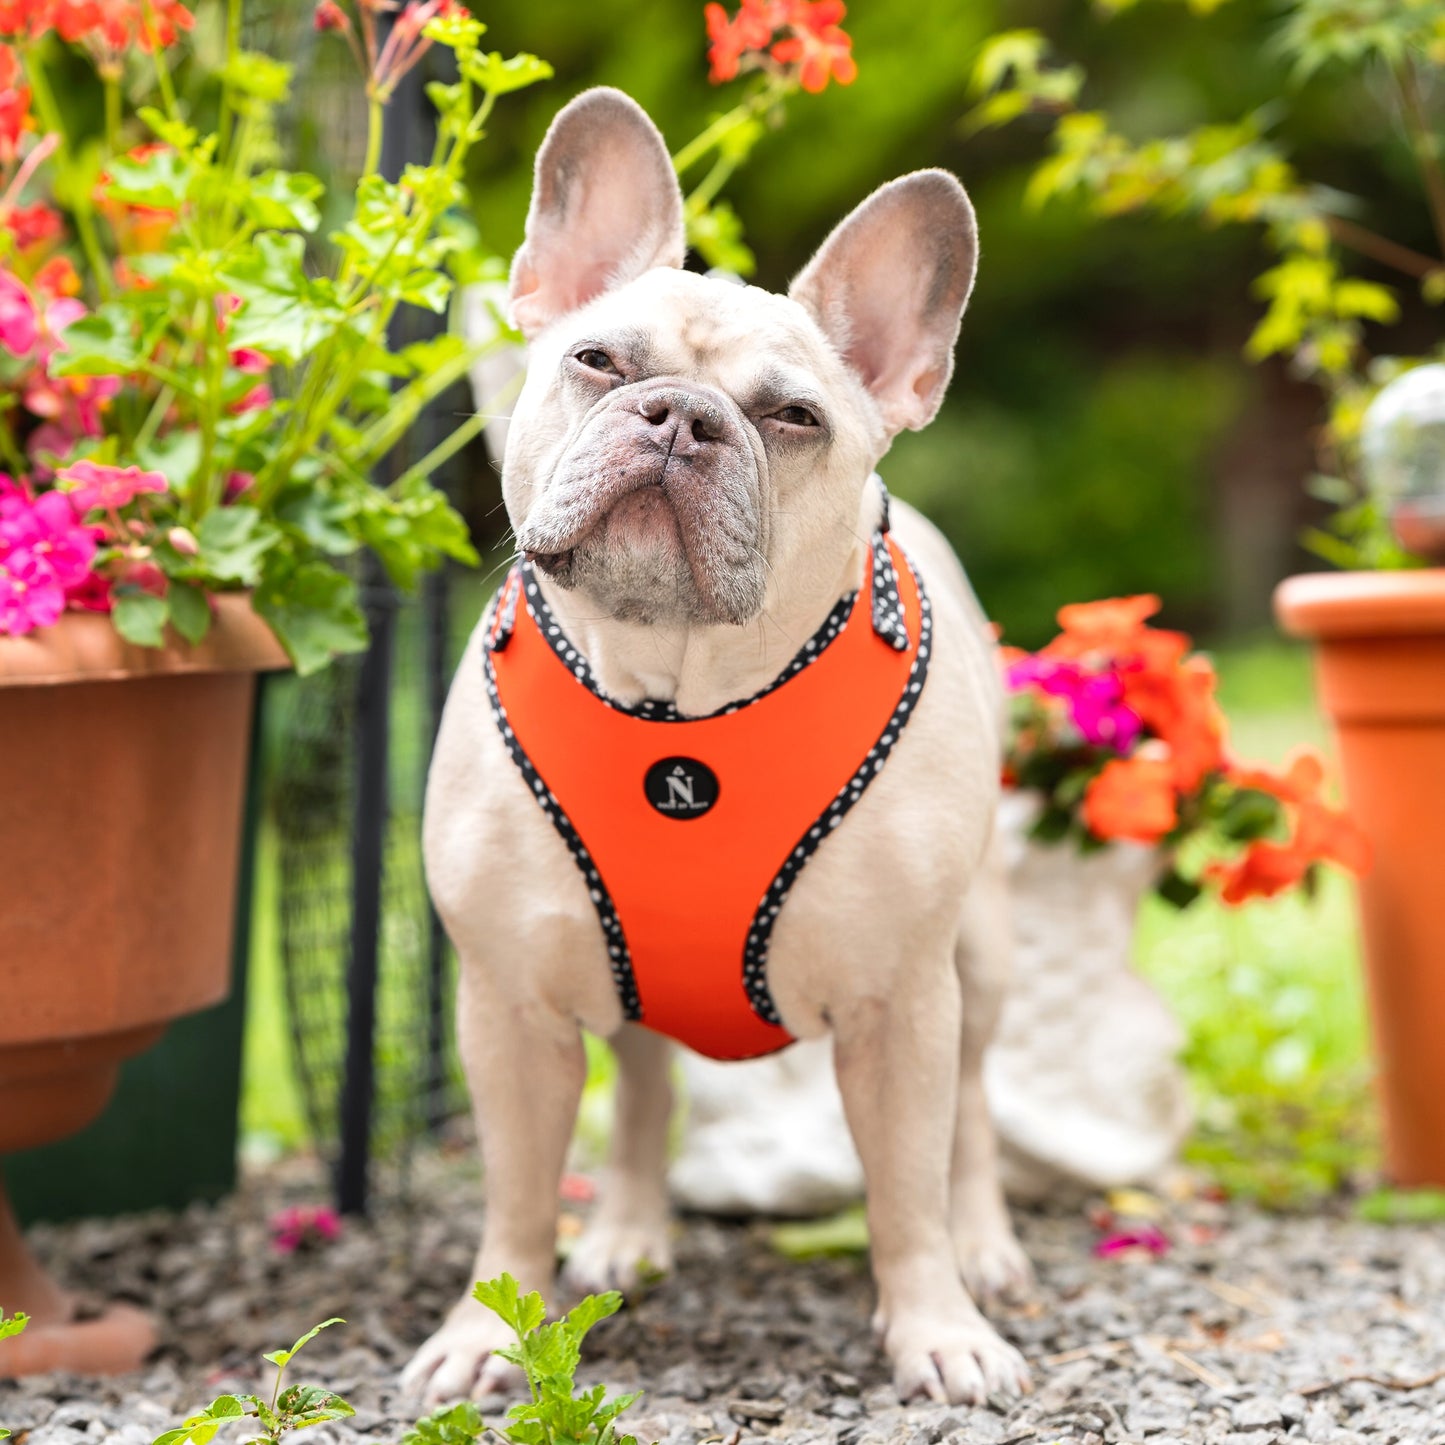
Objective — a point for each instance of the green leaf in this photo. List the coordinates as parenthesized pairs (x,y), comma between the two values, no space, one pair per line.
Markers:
(255,74)
(190,611)
(845,1233)
(498,76)
(1403,1206)
(453,1425)
(501,1295)
(140,617)
(1177,890)
(314,612)
(277,200)
(282,1358)
(320,518)
(234,541)
(160,179)
(14,1325)
(589,1311)
(105,343)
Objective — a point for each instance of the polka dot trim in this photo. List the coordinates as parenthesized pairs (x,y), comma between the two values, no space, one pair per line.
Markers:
(619,957)
(888,621)
(500,634)
(651,709)
(755,951)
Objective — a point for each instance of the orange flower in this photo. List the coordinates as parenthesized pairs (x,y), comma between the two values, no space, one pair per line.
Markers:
(1132,798)
(1178,706)
(57,277)
(1301,780)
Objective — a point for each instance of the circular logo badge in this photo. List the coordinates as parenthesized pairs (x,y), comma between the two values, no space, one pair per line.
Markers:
(681,787)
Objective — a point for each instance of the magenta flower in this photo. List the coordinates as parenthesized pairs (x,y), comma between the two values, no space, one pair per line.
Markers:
(30,596)
(1095,700)
(259,396)
(1146,1238)
(251,361)
(49,530)
(109,488)
(303,1224)
(19,328)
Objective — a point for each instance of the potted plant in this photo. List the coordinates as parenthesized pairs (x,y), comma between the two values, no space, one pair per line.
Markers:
(1118,781)
(1380,622)
(194,393)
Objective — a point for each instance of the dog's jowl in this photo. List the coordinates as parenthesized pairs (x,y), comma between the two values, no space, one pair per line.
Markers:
(720,764)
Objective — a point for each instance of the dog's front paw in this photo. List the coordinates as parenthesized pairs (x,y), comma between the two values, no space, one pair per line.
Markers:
(992,1263)
(460,1362)
(955,1362)
(612,1254)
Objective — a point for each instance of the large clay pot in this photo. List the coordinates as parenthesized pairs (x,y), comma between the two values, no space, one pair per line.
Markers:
(122,781)
(1380,659)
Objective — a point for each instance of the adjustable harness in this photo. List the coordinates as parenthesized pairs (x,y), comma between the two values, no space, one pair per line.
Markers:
(688,831)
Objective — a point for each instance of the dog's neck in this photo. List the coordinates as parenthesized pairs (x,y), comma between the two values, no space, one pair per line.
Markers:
(701,668)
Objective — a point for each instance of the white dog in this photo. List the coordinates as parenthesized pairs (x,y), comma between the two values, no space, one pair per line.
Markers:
(712,635)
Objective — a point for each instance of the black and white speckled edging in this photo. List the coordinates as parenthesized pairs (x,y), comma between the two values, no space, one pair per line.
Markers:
(755,951)
(651,709)
(619,956)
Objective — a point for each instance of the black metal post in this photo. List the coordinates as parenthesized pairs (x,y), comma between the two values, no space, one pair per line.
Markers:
(436,614)
(368,849)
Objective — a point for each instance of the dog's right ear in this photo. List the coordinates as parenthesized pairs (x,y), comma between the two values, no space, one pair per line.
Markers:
(606,206)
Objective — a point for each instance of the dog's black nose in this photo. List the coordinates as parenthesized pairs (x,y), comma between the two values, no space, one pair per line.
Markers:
(684,414)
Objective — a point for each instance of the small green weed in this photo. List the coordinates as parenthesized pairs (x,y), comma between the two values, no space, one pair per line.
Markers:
(548,1355)
(12,1326)
(1402,1206)
(292,1409)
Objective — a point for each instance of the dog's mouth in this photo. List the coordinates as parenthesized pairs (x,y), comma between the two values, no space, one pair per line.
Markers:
(556,565)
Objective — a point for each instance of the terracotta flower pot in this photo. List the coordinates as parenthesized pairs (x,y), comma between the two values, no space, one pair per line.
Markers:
(1380,639)
(122,778)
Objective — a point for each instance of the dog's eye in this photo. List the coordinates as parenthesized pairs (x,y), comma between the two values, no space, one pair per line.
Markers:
(796,416)
(595,360)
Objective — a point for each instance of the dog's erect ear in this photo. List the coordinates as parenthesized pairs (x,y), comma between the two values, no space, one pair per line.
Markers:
(888,288)
(606,207)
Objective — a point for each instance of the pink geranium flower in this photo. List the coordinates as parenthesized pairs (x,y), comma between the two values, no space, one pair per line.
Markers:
(109,488)
(49,530)
(19,326)
(30,596)
(248,359)
(1138,1239)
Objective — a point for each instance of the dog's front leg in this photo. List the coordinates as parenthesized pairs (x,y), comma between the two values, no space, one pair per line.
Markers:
(897,1063)
(628,1238)
(525,1068)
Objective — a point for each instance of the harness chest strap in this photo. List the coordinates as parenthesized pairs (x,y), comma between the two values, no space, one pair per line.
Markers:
(689,832)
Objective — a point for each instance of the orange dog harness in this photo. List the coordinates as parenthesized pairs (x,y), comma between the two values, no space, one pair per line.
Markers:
(690,831)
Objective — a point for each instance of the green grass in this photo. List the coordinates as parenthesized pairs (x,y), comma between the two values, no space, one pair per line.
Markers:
(1270,995)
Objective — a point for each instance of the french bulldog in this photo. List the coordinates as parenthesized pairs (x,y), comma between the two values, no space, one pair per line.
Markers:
(690,476)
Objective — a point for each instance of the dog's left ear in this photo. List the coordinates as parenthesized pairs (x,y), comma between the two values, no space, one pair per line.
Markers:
(606,206)
(888,288)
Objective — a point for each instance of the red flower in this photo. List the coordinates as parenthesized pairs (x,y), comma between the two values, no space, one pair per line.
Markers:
(330,16)
(14,105)
(821,49)
(35,225)
(814,46)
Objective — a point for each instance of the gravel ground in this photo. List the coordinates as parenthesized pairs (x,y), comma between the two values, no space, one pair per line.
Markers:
(1250,1329)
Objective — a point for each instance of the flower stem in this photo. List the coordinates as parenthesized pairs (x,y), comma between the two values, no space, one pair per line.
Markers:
(233,49)
(375,123)
(1426,147)
(112,114)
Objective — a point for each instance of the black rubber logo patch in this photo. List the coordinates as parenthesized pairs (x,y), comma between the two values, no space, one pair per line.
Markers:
(681,787)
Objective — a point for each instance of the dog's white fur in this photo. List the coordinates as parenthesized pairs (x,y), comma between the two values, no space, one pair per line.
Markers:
(883,940)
